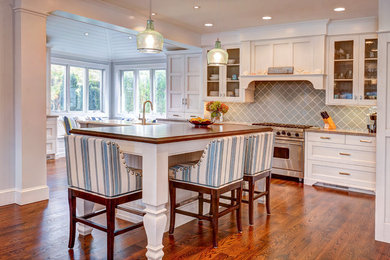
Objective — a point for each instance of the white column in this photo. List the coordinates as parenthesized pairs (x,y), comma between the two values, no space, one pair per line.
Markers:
(382,207)
(155,197)
(30,106)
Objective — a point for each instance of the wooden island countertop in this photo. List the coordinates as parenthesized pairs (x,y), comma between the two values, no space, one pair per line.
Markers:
(169,133)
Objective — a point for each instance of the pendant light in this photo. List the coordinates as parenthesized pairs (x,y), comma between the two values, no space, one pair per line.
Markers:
(150,41)
(217,56)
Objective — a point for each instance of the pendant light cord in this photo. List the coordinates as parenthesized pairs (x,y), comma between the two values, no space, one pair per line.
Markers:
(150,9)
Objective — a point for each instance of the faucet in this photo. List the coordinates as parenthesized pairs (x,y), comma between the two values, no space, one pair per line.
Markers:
(143,112)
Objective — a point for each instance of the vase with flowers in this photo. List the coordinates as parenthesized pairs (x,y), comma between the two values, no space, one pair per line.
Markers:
(217,110)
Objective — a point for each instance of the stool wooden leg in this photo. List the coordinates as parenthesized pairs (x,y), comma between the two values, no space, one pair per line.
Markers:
(200,204)
(267,198)
(238,211)
(214,221)
(251,185)
(232,196)
(72,216)
(110,207)
(172,196)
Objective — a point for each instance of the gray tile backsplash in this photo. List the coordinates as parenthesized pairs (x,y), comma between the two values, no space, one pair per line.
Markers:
(294,102)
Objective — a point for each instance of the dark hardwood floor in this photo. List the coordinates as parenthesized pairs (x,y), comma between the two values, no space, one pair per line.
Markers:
(306,223)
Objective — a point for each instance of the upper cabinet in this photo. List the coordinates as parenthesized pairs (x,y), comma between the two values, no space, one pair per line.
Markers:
(222,83)
(305,54)
(184,80)
(352,70)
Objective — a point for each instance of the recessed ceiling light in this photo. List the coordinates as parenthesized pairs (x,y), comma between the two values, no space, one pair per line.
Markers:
(267,17)
(86,34)
(130,37)
(154,14)
(208,24)
(339,9)
(196,6)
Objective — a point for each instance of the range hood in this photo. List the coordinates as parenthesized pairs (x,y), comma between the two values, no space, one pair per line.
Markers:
(318,80)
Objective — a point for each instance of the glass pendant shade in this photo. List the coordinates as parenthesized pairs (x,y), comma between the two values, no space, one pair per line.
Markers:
(217,56)
(150,41)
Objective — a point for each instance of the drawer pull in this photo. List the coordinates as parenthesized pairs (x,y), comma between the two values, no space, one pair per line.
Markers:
(365,141)
(345,154)
(176,115)
(344,173)
(325,137)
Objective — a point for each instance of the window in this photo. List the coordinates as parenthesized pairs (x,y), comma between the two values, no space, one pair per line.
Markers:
(58,78)
(139,85)
(94,89)
(76,88)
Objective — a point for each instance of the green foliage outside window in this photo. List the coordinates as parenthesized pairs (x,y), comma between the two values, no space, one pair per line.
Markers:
(144,89)
(76,88)
(160,91)
(95,79)
(57,85)
(128,91)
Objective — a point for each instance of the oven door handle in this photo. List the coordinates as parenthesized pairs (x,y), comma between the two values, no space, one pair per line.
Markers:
(290,142)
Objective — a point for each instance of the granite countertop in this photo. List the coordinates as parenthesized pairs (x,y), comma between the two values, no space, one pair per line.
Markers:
(342,131)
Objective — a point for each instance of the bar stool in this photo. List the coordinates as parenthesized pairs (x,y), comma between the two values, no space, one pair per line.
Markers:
(97,172)
(258,164)
(219,170)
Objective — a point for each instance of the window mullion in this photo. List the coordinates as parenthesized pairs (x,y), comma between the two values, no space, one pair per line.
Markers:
(86,90)
(67,88)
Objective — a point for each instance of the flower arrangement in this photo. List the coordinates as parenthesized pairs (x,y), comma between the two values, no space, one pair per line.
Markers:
(216,108)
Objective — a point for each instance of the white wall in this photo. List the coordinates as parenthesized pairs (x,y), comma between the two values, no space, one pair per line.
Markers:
(7,169)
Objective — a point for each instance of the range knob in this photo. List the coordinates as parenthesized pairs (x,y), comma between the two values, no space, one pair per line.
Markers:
(278,133)
(283,132)
(288,134)
(296,134)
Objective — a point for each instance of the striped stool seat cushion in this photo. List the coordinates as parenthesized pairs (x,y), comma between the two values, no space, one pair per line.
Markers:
(222,162)
(97,165)
(259,152)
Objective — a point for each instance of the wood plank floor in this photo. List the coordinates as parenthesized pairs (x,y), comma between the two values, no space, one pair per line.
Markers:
(306,223)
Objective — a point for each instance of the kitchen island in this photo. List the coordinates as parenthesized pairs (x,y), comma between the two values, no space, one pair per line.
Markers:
(155,144)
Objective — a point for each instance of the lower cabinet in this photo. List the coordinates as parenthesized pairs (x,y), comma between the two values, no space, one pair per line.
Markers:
(51,136)
(340,159)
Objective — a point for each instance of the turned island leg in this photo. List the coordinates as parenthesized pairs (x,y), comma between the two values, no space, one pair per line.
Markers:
(155,197)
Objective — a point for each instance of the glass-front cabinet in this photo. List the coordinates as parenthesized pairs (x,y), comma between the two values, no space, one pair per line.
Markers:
(352,70)
(222,82)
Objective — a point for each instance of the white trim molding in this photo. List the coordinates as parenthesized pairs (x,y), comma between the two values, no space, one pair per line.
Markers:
(7,197)
(31,195)
(25,196)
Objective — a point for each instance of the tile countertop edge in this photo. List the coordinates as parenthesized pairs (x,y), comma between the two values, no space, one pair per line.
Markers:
(341,131)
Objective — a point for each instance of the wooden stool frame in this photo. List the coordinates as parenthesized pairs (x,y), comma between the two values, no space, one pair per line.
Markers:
(111,204)
(214,214)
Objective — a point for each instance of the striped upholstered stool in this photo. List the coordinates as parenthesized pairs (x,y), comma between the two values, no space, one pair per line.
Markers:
(97,172)
(258,163)
(219,170)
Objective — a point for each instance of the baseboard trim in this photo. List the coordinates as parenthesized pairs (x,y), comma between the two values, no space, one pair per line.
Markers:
(31,195)
(7,197)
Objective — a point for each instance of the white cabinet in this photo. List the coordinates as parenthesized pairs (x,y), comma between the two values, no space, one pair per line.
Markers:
(221,83)
(184,86)
(352,70)
(51,136)
(305,54)
(340,159)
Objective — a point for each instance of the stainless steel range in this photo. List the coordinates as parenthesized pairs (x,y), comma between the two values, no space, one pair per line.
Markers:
(289,149)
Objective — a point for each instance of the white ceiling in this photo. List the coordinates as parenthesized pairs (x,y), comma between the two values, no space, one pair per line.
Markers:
(229,15)
(66,37)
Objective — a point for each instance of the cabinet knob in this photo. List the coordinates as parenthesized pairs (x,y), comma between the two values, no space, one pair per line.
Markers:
(361,97)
